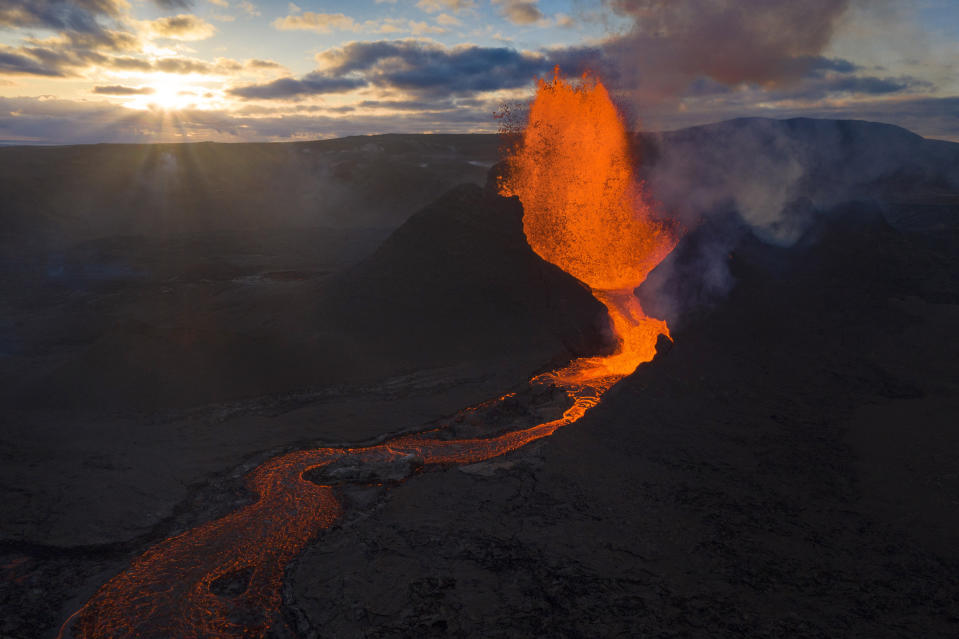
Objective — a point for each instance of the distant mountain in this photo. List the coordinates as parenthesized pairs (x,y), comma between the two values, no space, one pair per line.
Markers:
(58,195)
(768,170)
(55,196)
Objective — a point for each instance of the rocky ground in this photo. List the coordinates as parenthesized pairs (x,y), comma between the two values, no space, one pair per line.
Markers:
(788,468)
(781,471)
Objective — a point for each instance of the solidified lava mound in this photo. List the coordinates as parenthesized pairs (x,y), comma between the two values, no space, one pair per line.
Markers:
(459,282)
(455,284)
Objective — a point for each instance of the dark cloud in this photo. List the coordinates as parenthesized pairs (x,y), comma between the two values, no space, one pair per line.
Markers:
(870,85)
(408,105)
(81,39)
(428,70)
(85,30)
(763,42)
(65,62)
(50,60)
(78,22)
(122,90)
(16,62)
(424,67)
(414,66)
(129,63)
(255,63)
(108,40)
(59,15)
(817,65)
(182,65)
(291,88)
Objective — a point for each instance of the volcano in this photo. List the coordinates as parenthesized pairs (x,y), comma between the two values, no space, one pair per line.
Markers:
(784,467)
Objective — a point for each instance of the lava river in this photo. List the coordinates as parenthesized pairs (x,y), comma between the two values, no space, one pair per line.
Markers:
(584,212)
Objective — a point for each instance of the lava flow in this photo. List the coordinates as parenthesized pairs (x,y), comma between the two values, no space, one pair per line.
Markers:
(583,212)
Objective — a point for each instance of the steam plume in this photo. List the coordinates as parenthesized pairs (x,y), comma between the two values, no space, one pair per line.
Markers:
(673,43)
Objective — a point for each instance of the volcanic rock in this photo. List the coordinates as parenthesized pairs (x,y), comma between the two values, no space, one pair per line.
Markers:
(455,285)
(459,282)
(787,470)
(193,377)
(781,473)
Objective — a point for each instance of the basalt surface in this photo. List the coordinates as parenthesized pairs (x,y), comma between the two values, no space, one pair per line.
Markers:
(781,471)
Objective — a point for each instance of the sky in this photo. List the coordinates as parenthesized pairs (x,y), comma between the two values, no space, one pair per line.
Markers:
(87,71)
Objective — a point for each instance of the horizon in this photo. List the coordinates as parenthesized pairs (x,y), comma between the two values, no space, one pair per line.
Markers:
(140,71)
(14,144)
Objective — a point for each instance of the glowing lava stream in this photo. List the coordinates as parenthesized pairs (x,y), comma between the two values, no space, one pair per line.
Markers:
(582,212)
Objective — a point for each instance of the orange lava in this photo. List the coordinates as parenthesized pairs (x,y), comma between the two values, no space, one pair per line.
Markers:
(166,592)
(584,213)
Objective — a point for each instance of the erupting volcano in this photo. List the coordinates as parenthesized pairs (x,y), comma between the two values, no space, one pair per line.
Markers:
(585,213)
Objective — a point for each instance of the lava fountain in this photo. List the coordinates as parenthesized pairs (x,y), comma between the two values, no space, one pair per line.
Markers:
(585,213)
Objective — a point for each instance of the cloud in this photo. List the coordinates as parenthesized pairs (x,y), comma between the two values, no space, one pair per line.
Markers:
(74,19)
(75,15)
(447,20)
(249,8)
(17,62)
(859,85)
(66,62)
(817,65)
(79,42)
(291,88)
(423,28)
(176,4)
(318,22)
(58,56)
(182,65)
(129,63)
(421,66)
(227,65)
(122,90)
(184,26)
(255,63)
(520,11)
(435,6)
(330,22)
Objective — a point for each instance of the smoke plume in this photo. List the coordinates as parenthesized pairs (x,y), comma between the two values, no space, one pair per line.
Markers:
(674,43)
(753,171)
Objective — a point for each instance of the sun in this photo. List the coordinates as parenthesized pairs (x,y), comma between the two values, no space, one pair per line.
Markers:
(171,93)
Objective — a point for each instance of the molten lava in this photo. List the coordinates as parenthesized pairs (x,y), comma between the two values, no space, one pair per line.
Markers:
(583,212)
